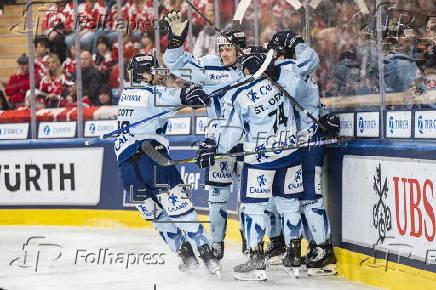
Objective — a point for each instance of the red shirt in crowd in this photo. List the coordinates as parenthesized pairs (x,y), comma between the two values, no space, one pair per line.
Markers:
(17,87)
(54,85)
(89,15)
(41,65)
(69,66)
(54,16)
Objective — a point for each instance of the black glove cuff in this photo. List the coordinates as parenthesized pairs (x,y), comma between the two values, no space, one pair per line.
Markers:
(175,41)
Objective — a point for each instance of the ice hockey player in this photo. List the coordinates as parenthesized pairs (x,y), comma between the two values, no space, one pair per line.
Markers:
(263,117)
(296,56)
(167,208)
(320,259)
(213,72)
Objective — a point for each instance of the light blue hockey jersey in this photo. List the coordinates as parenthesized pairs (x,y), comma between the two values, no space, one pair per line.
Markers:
(208,71)
(263,117)
(305,91)
(136,104)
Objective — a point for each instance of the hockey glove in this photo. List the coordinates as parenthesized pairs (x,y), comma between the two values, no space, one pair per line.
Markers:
(331,124)
(178,29)
(193,95)
(285,39)
(253,62)
(206,151)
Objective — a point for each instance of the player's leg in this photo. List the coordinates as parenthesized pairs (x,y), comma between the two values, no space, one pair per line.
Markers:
(181,211)
(288,187)
(152,211)
(178,205)
(276,246)
(323,260)
(238,170)
(256,188)
(309,238)
(218,197)
(219,178)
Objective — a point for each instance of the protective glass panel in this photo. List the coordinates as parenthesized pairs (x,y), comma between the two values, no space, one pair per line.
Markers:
(344,36)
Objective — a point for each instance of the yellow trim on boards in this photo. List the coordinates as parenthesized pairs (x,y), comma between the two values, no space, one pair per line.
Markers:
(351,265)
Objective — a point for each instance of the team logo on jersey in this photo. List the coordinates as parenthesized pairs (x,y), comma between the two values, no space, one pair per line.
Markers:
(216,191)
(224,166)
(381,213)
(298,176)
(261,180)
(221,77)
(135,98)
(259,156)
(253,96)
(173,199)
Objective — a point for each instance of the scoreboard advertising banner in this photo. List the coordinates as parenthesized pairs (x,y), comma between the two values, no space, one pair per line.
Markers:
(51,176)
(390,205)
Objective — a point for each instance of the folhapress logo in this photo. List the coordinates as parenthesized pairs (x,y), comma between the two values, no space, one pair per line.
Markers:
(46,130)
(37,252)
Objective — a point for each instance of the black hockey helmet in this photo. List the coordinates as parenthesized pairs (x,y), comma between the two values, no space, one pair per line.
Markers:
(232,37)
(139,64)
(250,56)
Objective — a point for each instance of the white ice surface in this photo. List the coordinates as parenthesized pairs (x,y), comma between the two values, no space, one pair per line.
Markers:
(63,273)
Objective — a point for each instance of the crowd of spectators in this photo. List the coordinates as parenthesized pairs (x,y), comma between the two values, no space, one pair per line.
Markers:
(345,40)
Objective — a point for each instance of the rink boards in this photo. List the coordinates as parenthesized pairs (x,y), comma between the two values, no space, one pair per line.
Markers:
(62,182)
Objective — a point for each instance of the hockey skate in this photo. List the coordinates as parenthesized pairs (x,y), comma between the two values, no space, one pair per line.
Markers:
(210,261)
(218,250)
(275,251)
(188,261)
(309,255)
(254,269)
(324,261)
(293,258)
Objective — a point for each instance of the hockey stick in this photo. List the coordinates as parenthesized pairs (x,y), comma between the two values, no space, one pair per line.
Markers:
(276,84)
(162,160)
(161,114)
